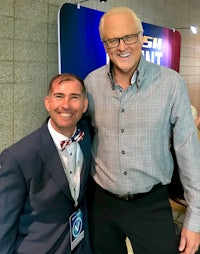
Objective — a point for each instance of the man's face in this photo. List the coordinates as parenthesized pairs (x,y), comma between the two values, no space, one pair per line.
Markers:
(124,57)
(66,104)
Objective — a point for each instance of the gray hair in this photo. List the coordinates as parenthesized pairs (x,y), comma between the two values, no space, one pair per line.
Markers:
(119,10)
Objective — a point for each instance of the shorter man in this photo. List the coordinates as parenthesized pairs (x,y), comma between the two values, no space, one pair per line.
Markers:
(42,184)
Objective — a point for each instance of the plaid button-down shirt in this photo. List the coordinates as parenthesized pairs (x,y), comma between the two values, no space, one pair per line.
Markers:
(132,131)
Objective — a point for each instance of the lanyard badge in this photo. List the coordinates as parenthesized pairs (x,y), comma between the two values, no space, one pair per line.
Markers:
(76,228)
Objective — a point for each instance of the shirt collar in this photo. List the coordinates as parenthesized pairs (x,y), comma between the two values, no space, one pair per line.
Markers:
(56,136)
(135,80)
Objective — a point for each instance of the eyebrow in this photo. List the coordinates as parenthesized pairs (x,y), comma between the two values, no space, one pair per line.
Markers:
(77,94)
(71,94)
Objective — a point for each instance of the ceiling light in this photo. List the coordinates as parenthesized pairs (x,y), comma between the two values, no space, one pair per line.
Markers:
(193,28)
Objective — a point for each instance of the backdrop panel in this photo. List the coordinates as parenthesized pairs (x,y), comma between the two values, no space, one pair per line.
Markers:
(81,50)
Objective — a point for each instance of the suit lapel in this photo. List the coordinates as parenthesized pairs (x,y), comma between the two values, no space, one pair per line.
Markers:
(51,160)
(85,147)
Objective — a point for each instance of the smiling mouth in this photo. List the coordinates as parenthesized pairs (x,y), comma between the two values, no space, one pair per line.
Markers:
(124,55)
(66,115)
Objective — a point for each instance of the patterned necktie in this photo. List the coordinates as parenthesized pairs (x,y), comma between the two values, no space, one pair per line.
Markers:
(78,135)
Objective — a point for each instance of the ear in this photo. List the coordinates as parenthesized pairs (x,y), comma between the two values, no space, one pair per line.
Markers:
(105,48)
(141,38)
(46,103)
(85,106)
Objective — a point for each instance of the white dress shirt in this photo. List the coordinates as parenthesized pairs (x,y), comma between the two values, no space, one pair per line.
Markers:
(72,160)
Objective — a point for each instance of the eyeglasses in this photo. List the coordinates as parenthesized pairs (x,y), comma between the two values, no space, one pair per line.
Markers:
(127,39)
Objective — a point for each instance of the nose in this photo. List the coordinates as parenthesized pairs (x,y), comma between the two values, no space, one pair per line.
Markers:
(66,102)
(122,44)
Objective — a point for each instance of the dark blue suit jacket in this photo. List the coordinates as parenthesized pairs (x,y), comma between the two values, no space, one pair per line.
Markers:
(35,200)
